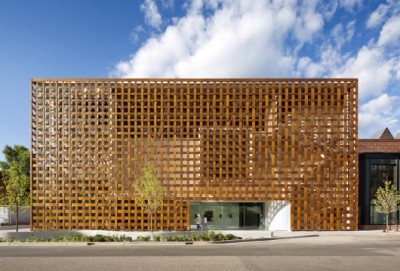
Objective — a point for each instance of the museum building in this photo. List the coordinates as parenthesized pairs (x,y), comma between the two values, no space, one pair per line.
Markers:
(265,154)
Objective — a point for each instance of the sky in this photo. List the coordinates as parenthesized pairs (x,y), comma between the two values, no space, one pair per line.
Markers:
(200,39)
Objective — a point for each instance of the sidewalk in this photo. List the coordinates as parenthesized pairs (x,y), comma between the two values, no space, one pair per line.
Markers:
(8,232)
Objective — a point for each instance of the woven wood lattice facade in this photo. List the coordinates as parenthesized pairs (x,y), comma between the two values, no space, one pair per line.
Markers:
(209,139)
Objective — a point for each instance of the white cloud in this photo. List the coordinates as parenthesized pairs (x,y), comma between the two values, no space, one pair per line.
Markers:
(340,35)
(236,39)
(372,69)
(376,17)
(375,64)
(380,105)
(377,114)
(151,15)
(371,65)
(135,35)
(167,3)
(390,34)
(337,34)
(350,29)
(328,8)
(309,68)
(397,69)
(308,23)
(350,4)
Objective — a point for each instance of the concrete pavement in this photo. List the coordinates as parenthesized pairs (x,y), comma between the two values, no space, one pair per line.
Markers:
(371,251)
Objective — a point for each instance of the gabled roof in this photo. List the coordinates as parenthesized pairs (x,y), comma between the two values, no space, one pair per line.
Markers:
(383,134)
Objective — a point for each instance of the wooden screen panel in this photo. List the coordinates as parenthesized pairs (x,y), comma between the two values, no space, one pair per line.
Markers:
(209,139)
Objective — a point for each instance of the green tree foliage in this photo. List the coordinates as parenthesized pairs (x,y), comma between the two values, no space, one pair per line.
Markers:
(386,200)
(15,172)
(149,193)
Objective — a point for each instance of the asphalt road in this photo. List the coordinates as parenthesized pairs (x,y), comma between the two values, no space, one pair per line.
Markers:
(367,252)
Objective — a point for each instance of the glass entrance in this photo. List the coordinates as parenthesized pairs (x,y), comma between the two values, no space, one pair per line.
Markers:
(250,215)
(229,215)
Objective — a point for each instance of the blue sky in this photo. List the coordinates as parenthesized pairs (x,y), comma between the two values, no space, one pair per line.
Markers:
(200,38)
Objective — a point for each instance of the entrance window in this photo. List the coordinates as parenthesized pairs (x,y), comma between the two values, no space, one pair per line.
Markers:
(229,215)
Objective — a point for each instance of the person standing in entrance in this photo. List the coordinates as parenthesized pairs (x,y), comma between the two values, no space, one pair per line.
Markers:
(198,222)
(205,223)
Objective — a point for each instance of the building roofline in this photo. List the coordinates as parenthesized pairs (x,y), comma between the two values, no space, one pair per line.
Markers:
(195,79)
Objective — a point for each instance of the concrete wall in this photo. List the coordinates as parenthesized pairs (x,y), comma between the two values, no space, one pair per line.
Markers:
(277,215)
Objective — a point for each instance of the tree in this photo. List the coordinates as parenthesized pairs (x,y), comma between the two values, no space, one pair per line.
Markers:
(149,193)
(15,172)
(386,200)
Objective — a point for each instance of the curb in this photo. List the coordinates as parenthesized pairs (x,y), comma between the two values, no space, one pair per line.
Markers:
(263,239)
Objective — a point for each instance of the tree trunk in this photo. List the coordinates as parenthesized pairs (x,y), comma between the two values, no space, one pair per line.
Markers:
(387,222)
(17,216)
(151,221)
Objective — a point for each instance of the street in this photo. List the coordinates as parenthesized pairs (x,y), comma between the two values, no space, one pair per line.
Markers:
(349,252)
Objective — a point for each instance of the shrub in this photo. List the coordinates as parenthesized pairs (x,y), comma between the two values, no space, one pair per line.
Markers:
(204,237)
(220,237)
(178,237)
(98,238)
(124,238)
(211,235)
(143,238)
(76,238)
(164,238)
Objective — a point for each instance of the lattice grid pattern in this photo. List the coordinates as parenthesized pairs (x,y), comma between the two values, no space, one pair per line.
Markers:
(209,139)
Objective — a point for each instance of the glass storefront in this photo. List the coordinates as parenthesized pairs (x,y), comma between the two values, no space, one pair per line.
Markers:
(379,174)
(229,215)
(375,169)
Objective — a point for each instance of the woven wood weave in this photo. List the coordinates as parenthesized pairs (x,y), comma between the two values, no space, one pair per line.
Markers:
(209,140)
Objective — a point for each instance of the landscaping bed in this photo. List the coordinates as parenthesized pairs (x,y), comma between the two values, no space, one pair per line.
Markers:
(202,236)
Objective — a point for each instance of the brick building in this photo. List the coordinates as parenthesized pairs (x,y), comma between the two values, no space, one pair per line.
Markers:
(379,161)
